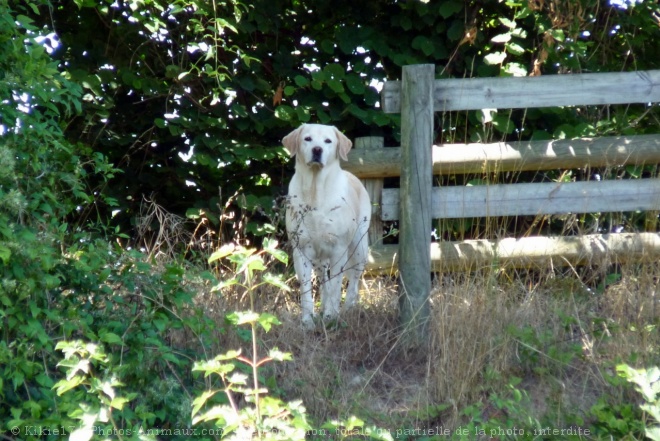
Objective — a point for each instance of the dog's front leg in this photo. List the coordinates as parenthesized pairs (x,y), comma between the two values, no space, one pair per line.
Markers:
(331,292)
(303,268)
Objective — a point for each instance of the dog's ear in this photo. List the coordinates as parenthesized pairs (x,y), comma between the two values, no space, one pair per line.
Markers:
(343,145)
(292,141)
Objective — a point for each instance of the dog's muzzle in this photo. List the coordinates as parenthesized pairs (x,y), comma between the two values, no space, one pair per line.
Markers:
(317,156)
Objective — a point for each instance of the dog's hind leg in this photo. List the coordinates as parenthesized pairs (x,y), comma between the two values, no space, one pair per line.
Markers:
(354,270)
(352,287)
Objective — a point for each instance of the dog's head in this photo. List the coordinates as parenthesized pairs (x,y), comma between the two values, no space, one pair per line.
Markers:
(316,144)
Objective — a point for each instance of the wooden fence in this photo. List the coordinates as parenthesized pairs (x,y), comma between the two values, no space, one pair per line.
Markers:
(418,95)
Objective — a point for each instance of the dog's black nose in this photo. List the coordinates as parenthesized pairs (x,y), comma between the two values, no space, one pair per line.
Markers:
(317,152)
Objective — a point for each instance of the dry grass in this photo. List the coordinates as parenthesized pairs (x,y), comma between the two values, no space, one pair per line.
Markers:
(550,329)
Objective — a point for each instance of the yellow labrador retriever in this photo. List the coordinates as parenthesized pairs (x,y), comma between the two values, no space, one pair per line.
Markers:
(327,219)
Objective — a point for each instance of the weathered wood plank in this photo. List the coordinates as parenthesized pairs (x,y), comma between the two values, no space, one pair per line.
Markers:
(528,92)
(416,185)
(374,187)
(527,252)
(535,199)
(515,156)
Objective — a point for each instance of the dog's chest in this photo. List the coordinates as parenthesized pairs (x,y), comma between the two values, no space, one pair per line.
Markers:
(322,229)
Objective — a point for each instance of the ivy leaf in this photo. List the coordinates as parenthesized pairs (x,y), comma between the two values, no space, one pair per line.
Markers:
(334,71)
(355,84)
(336,86)
(301,81)
(424,44)
(502,38)
(508,23)
(495,58)
(285,113)
(449,8)
(515,69)
(558,34)
(515,48)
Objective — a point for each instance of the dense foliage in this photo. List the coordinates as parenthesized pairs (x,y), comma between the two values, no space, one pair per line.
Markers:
(105,103)
(222,82)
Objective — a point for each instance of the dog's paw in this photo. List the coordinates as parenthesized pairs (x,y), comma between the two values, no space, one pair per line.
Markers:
(308,323)
(333,322)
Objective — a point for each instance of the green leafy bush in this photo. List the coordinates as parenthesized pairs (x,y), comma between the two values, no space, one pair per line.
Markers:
(647,383)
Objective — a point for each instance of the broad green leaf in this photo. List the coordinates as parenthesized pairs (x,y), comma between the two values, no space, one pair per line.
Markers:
(508,23)
(558,34)
(241,318)
(26,22)
(523,12)
(301,81)
(238,378)
(119,402)
(406,23)
(111,337)
(267,320)
(334,71)
(428,47)
(284,112)
(199,402)
(229,355)
(652,433)
(503,124)
(213,367)
(515,69)
(449,8)
(328,46)
(316,85)
(224,251)
(502,38)
(424,44)
(270,246)
(515,48)
(278,355)
(224,284)
(251,263)
(495,58)
(336,86)
(277,281)
(288,91)
(65,385)
(355,84)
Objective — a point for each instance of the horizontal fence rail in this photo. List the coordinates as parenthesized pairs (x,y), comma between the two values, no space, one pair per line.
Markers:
(541,91)
(545,198)
(527,252)
(513,156)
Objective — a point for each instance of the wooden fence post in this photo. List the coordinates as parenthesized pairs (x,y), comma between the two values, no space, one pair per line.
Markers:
(416,183)
(374,187)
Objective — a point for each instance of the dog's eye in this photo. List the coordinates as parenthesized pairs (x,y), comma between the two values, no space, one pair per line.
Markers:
(308,138)
(328,141)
